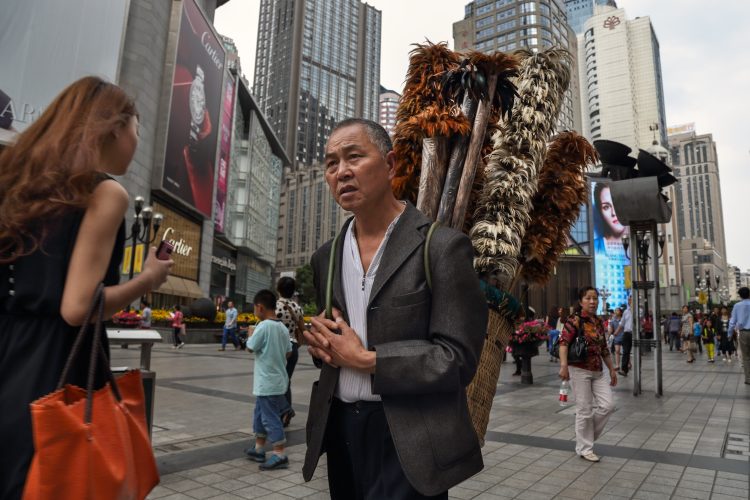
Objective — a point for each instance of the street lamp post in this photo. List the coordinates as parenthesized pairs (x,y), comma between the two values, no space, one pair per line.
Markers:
(724,295)
(604,293)
(140,232)
(639,242)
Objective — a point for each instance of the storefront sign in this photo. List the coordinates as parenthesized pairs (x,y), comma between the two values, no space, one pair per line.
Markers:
(185,236)
(224,262)
(194,117)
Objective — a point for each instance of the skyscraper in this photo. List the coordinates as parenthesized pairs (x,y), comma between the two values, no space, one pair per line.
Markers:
(508,25)
(698,205)
(388,107)
(580,10)
(317,62)
(622,95)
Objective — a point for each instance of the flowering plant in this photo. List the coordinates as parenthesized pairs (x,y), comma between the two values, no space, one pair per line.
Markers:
(530,331)
(127,319)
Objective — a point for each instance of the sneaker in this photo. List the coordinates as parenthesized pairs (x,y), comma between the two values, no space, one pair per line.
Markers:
(255,455)
(175,347)
(275,462)
(221,349)
(181,344)
(590,456)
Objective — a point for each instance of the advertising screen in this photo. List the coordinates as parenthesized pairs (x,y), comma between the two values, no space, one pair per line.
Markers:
(611,265)
(69,40)
(225,150)
(195,109)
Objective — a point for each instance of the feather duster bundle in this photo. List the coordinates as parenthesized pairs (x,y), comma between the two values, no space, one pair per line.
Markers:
(561,192)
(430,105)
(421,91)
(504,206)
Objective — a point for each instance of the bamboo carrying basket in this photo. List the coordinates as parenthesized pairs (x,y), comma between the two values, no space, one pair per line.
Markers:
(481,391)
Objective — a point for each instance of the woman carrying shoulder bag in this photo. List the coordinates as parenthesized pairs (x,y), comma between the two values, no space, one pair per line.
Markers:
(62,233)
(586,377)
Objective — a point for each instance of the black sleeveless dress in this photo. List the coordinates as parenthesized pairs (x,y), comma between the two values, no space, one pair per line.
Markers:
(35,341)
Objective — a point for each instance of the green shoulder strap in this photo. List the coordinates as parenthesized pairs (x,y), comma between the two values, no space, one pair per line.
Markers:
(332,265)
(329,283)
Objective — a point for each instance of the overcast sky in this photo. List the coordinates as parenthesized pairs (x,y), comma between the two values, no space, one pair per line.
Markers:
(705,64)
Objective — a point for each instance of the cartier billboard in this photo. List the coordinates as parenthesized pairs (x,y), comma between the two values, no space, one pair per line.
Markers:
(185,236)
(193,126)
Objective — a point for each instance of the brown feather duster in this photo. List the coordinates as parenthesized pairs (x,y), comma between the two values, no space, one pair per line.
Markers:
(561,192)
(421,92)
(428,109)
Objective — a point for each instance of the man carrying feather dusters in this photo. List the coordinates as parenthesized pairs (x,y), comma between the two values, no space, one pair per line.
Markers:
(390,408)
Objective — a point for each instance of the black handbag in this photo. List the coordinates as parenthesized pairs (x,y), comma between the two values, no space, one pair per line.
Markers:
(577,350)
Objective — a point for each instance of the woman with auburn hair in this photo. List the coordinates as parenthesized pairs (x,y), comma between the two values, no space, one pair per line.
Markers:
(62,232)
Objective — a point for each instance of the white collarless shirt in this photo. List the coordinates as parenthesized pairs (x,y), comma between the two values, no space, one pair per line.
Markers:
(355,385)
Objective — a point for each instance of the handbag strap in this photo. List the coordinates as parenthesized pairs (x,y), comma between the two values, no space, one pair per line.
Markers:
(97,352)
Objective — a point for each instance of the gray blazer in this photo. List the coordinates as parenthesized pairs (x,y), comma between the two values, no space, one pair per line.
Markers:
(426,356)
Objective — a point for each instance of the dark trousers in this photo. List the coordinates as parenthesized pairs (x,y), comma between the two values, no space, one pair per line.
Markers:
(362,460)
(627,344)
(291,362)
(176,335)
(674,341)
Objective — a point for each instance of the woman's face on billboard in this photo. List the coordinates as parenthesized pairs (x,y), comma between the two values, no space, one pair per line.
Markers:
(608,213)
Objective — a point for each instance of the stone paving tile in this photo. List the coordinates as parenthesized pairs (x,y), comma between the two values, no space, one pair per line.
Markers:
(688,419)
(204,492)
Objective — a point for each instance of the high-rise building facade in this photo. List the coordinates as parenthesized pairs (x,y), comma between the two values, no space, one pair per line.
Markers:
(508,25)
(317,62)
(698,205)
(388,107)
(580,10)
(622,95)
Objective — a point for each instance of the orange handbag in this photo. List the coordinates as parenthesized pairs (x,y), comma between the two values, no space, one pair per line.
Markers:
(92,444)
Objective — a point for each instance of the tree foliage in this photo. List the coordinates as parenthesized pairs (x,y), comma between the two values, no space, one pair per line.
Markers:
(304,278)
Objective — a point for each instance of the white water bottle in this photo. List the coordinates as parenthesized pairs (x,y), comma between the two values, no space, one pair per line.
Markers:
(564,391)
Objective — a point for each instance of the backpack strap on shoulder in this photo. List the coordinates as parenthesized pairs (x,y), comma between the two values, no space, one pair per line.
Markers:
(329,282)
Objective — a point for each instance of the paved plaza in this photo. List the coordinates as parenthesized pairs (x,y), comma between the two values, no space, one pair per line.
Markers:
(693,443)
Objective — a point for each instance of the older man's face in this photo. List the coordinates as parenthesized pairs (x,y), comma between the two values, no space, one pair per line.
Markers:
(356,172)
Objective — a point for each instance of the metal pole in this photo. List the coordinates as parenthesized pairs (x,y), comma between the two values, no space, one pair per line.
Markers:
(634,305)
(657,315)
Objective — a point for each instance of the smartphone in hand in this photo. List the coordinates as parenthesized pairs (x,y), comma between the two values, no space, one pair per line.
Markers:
(164,251)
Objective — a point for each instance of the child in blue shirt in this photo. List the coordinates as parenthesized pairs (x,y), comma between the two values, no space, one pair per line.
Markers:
(271,345)
(697,332)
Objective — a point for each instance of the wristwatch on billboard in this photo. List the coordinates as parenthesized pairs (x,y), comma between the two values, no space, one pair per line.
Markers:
(197,106)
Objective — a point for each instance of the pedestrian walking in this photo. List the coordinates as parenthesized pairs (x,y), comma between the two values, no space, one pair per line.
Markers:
(708,335)
(625,328)
(62,233)
(145,314)
(553,323)
(390,406)
(290,313)
(686,332)
(591,388)
(177,326)
(614,327)
(725,336)
(230,328)
(271,346)
(740,321)
(697,333)
(674,326)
